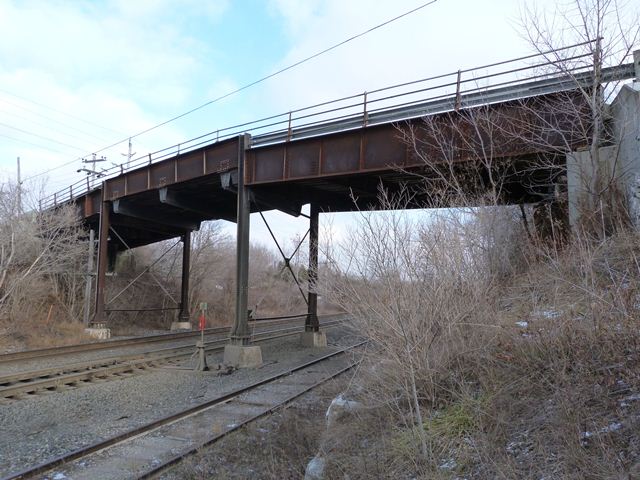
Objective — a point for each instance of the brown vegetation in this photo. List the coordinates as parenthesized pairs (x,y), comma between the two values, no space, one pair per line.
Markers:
(41,257)
(534,376)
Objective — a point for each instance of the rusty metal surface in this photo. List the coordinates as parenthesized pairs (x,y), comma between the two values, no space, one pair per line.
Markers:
(210,160)
(328,169)
(512,129)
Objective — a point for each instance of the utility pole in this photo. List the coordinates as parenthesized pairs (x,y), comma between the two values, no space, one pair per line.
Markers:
(92,171)
(129,154)
(19,189)
(93,160)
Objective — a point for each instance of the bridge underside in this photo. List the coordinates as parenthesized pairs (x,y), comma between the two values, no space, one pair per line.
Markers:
(166,213)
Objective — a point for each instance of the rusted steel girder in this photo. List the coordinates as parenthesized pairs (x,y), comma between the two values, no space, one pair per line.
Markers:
(210,160)
(551,123)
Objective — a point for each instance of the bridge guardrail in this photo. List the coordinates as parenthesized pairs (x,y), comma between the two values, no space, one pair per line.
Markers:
(496,82)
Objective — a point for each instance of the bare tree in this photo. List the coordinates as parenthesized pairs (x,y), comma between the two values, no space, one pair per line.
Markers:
(519,152)
(40,257)
(417,289)
(605,32)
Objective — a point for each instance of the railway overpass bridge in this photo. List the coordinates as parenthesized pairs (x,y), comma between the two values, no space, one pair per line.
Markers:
(336,156)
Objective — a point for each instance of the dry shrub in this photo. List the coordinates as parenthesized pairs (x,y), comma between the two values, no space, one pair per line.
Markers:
(425,294)
(41,256)
(528,371)
(562,390)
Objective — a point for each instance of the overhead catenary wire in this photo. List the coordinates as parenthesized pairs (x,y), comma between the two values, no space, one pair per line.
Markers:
(48,118)
(80,119)
(253,83)
(26,132)
(26,142)
(49,127)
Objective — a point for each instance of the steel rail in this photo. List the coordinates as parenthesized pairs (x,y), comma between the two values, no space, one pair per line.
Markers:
(120,438)
(102,345)
(125,342)
(178,458)
(15,392)
(32,382)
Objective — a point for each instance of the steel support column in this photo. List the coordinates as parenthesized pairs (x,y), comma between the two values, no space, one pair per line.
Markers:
(89,281)
(311,323)
(103,259)
(184,315)
(240,331)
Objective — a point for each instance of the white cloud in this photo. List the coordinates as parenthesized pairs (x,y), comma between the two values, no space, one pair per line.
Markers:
(124,64)
(440,38)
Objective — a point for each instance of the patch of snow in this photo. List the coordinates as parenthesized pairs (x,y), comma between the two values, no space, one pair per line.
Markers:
(549,314)
(59,476)
(341,402)
(622,385)
(315,468)
(519,447)
(626,401)
(522,324)
(449,464)
(614,427)
(338,407)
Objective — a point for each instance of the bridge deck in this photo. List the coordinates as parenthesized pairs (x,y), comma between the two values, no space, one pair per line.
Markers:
(316,156)
(162,200)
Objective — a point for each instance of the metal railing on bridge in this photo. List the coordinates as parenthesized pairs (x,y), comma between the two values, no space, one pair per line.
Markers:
(536,74)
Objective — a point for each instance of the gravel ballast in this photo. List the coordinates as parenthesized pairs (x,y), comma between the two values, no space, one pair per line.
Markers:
(37,429)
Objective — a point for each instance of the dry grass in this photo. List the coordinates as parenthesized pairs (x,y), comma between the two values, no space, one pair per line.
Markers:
(41,331)
(556,396)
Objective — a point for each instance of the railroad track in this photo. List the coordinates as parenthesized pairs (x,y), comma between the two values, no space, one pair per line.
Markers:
(127,342)
(23,385)
(148,450)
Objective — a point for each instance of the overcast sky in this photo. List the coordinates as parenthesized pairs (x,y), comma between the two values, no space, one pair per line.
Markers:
(76,76)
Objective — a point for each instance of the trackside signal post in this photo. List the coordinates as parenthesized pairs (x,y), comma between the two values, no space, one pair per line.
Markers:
(200,352)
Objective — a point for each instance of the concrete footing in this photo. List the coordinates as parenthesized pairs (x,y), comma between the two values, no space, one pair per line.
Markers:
(243,356)
(313,339)
(99,332)
(180,326)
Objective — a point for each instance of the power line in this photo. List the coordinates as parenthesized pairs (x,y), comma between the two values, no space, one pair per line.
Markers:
(255,82)
(293,65)
(26,132)
(80,119)
(48,127)
(42,147)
